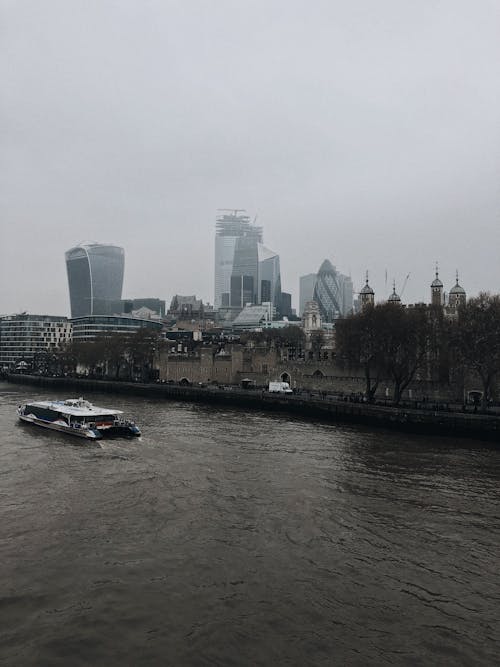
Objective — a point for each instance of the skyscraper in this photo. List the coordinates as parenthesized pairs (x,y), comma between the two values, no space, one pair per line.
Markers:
(306,290)
(95,279)
(245,273)
(333,292)
(256,275)
(230,227)
(269,288)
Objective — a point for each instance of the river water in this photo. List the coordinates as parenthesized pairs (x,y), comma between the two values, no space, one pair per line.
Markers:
(229,538)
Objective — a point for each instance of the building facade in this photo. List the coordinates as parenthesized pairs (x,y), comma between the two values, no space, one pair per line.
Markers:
(24,336)
(333,292)
(88,328)
(95,279)
(253,317)
(306,290)
(186,307)
(286,305)
(244,285)
(256,276)
(269,289)
(153,304)
(230,227)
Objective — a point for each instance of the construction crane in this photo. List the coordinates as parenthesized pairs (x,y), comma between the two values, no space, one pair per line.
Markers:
(404,285)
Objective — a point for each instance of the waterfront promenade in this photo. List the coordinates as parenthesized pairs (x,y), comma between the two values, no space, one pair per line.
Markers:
(306,405)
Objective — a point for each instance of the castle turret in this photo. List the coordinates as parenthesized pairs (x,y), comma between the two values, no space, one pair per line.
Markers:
(366,295)
(437,290)
(394,298)
(457,296)
(311,317)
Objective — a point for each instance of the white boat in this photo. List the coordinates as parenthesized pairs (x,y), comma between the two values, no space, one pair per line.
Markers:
(77,417)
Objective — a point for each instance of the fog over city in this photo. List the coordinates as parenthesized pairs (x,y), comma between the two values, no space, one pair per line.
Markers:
(364,132)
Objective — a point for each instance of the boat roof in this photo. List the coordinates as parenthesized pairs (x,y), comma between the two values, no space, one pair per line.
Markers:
(75,406)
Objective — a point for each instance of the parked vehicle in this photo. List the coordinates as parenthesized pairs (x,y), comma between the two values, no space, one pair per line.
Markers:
(279,388)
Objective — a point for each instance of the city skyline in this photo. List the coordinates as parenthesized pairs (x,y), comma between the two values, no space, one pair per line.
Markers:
(380,296)
(363,136)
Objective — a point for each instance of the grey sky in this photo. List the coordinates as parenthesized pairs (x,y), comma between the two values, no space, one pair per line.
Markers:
(367,132)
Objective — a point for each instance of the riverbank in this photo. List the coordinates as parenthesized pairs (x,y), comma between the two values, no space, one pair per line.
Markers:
(456,424)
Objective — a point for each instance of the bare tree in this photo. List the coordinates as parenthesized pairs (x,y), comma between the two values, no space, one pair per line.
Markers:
(406,340)
(360,343)
(141,350)
(386,340)
(476,338)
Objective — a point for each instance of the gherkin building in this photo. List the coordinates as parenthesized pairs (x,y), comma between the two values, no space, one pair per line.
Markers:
(329,292)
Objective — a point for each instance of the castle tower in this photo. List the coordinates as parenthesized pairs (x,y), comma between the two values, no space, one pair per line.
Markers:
(311,317)
(394,298)
(366,295)
(437,290)
(457,296)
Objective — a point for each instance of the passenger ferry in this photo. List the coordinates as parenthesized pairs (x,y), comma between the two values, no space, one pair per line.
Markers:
(77,417)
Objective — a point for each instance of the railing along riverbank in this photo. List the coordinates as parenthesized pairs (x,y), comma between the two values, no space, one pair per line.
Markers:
(458,424)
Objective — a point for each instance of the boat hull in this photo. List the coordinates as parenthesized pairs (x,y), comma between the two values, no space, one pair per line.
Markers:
(88,434)
(77,417)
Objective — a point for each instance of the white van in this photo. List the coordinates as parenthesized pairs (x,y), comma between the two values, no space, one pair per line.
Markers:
(280,388)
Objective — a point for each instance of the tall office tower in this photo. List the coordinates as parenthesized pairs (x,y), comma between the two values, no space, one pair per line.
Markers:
(348,295)
(286,304)
(306,292)
(269,288)
(230,226)
(245,274)
(95,278)
(256,275)
(333,292)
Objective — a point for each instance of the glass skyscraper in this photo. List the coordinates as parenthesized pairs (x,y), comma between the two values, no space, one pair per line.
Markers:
(246,272)
(230,227)
(95,279)
(333,292)
(306,294)
(269,278)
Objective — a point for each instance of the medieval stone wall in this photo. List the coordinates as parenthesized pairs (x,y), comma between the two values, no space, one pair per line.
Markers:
(261,364)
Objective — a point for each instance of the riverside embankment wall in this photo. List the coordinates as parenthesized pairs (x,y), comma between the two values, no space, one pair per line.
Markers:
(326,409)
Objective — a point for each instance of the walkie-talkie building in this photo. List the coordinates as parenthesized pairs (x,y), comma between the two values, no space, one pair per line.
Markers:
(95,279)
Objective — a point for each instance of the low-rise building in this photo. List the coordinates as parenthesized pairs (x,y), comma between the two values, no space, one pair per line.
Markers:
(24,336)
(87,328)
(253,317)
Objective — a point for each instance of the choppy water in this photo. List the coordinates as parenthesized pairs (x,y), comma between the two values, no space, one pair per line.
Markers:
(225,538)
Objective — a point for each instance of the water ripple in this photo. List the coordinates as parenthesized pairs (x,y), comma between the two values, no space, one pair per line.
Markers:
(224,538)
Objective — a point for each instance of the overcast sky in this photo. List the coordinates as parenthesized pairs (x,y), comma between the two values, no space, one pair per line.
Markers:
(363,131)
